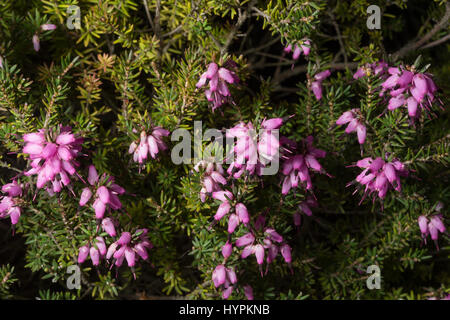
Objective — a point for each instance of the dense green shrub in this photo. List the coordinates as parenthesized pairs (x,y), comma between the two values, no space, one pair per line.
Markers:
(137,68)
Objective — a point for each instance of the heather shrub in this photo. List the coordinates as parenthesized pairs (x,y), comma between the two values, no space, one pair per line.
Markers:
(224,149)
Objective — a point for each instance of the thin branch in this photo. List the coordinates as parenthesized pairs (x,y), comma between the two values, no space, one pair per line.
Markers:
(414,45)
(436,43)
(149,17)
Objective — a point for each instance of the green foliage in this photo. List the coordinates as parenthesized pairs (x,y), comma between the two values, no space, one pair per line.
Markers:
(134,65)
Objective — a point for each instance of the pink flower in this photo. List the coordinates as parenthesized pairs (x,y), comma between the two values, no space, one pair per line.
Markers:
(105,195)
(130,248)
(296,168)
(316,86)
(36,43)
(53,161)
(212,179)
(83,254)
(218,92)
(219,275)
(13,189)
(298,49)
(355,123)
(248,291)
(48,26)
(108,227)
(227,249)
(379,176)
(150,144)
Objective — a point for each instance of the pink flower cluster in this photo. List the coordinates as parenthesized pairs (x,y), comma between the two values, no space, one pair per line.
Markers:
(431,227)
(128,246)
(97,251)
(8,204)
(225,277)
(376,68)
(316,85)
(355,123)
(269,243)
(251,153)
(212,178)
(148,144)
(296,167)
(304,47)
(218,92)
(411,89)
(52,157)
(106,192)
(379,176)
(35,40)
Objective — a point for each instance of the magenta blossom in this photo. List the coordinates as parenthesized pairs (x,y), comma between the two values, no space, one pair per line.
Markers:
(225,278)
(296,168)
(212,177)
(130,247)
(379,176)
(431,227)
(150,144)
(96,251)
(52,156)
(9,204)
(218,92)
(305,47)
(355,123)
(410,89)
(316,85)
(252,152)
(106,193)
(376,68)
(269,243)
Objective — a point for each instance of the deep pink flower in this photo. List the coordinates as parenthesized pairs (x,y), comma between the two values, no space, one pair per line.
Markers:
(106,193)
(218,92)
(48,26)
(355,123)
(150,144)
(379,176)
(53,161)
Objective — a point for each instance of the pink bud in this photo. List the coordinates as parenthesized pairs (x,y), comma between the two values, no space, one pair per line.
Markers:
(92,176)
(94,256)
(124,239)
(108,227)
(103,194)
(36,44)
(219,275)
(85,196)
(233,222)
(101,245)
(99,208)
(223,209)
(227,249)
(130,256)
(245,240)
(242,213)
(83,253)
(259,253)
(423,224)
(248,291)
(286,253)
(48,26)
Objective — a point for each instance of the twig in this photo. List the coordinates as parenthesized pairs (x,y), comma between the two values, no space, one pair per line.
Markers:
(149,17)
(411,46)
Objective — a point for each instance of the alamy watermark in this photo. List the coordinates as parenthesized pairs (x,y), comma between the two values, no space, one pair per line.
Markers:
(374,281)
(374,20)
